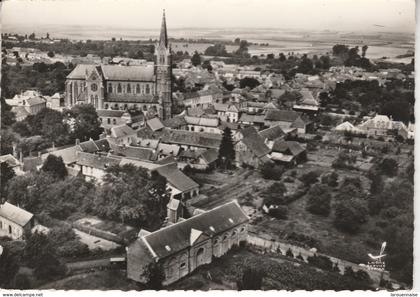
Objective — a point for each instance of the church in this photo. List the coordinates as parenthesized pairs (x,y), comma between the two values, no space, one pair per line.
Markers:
(147,88)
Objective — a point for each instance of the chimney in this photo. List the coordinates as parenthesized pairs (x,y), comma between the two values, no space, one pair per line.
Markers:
(77,141)
(14,149)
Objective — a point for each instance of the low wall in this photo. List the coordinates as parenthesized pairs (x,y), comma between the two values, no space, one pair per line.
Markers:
(99,233)
(281,247)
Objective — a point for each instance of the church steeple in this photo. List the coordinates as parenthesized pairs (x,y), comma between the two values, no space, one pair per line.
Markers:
(163,39)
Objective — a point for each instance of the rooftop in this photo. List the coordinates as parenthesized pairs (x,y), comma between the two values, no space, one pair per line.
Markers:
(15,214)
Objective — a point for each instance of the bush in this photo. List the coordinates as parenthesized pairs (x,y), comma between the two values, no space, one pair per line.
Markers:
(319,200)
(309,178)
(289,253)
(279,212)
(330,179)
(388,167)
(321,262)
(272,171)
(350,215)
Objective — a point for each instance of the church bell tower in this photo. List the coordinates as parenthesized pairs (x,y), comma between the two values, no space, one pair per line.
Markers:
(164,72)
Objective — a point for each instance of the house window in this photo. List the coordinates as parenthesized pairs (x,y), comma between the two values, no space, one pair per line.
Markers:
(125,106)
(106,106)
(144,107)
(147,89)
(110,88)
(109,121)
(119,89)
(183,265)
(138,89)
(114,121)
(10,229)
(128,88)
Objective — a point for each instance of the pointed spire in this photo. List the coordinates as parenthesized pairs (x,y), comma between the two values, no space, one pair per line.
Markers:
(163,40)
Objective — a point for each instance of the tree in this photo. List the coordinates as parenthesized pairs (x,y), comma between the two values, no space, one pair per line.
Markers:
(9,263)
(319,200)
(274,194)
(196,59)
(364,49)
(249,82)
(272,171)
(350,215)
(252,279)
(154,275)
(50,54)
(226,155)
(282,57)
(216,50)
(129,195)
(309,178)
(330,179)
(7,173)
(55,166)
(388,167)
(40,255)
(86,123)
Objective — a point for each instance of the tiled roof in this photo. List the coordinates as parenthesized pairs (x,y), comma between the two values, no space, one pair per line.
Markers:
(201,139)
(272,133)
(176,237)
(254,142)
(128,73)
(110,113)
(96,161)
(35,101)
(177,178)
(131,98)
(168,149)
(210,155)
(249,118)
(288,147)
(20,111)
(79,72)
(133,152)
(15,214)
(282,115)
(148,143)
(207,122)
(155,124)
(10,160)
(102,144)
(121,131)
(88,146)
(175,122)
(68,154)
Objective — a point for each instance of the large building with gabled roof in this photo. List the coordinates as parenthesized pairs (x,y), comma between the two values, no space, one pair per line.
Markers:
(147,87)
(181,247)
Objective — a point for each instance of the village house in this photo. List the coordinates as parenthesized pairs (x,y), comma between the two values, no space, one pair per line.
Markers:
(381,126)
(122,135)
(251,149)
(181,186)
(288,119)
(187,244)
(13,163)
(307,104)
(110,118)
(93,166)
(15,221)
(202,124)
(288,152)
(227,112)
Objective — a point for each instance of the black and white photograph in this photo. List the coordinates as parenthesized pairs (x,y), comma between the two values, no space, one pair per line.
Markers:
(207,145)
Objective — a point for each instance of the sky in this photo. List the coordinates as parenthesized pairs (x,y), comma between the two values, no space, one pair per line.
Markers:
(342,15)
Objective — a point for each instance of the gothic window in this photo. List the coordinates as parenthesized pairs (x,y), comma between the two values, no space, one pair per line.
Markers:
(96,101)
(119,89)
(138,89)
(128,88)
(106,106)
(94,87)
(110,88)
(147,89)
(91,99)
